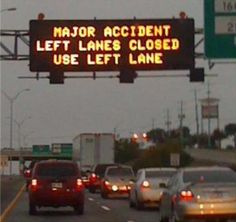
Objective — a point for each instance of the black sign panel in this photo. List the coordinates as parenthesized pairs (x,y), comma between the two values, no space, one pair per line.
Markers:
(111,45)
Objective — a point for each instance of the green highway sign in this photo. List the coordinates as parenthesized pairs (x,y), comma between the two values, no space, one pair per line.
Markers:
(220,29)
(41,150)
(62,150)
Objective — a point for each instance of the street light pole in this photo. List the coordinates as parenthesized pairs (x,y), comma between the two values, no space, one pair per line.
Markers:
(21,159)
(19,124)
(11,100)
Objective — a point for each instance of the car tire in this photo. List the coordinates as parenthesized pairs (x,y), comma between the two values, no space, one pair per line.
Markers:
(79,209)
(131,203)
(164,219)
(92,190)
(32,209)
(138,204)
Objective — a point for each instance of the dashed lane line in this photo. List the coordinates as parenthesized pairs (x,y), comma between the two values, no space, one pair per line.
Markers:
(105,208)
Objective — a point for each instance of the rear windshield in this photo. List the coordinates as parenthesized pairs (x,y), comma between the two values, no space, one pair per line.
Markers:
(210,176)
(153,174)
(100,169)
(56,170)
(120,172)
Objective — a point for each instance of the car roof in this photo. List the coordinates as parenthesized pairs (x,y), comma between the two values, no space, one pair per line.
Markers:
(119,166)
(205,168)
(54,161)
(159,169)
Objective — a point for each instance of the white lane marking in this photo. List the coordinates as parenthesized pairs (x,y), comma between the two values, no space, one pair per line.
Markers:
(91,199)
(130,221)
(105,208)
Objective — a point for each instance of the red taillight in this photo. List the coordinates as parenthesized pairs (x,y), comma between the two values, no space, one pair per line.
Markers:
(106,183)
(93,175)
(186,195)
(79,182)
(145,184)
(27,173)
(34,182)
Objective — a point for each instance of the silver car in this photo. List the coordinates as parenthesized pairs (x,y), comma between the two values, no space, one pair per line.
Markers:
(148,187)
(200,193)
(117,181)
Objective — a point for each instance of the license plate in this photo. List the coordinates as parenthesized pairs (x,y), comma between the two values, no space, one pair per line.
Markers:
(56,185)
(123,188)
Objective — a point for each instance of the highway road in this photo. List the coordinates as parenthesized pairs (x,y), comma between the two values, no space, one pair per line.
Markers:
(96,210)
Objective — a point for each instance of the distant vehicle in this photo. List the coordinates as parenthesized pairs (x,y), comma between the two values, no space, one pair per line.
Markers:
(96,175)
(85,172)
(117,181)
(56,183)
(28,172)
(149,186)
(200,193)
(94,148)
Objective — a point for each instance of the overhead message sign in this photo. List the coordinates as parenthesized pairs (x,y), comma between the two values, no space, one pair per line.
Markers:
(220,29)
(110,45)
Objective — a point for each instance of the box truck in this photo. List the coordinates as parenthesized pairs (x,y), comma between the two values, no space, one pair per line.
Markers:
(93,148)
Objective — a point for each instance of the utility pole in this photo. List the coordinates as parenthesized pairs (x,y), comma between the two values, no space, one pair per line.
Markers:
(209,119)
(181,117)
(196,115)
(168,122)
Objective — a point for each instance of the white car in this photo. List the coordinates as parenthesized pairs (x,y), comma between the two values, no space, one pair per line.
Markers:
(148,186)
(200,193)
(117,181)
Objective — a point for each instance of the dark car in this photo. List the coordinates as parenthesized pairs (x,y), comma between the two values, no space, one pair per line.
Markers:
(56,183)
(96,176)
(28,173)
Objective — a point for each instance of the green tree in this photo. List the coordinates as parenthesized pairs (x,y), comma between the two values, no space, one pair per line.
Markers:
(126,151)
(230,130)
(157,135)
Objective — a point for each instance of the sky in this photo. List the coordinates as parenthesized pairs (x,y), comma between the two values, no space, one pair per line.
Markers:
(57,113)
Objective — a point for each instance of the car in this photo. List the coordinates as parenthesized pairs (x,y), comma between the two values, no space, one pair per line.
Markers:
(148,187)
(96,175)
(85,179)
(56,183)
(200,193)
(117,181)
(28,173)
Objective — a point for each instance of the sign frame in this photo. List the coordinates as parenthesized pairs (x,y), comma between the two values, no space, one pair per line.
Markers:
(181,58)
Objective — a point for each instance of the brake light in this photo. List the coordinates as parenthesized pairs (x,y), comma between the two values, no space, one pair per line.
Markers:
(186,195)
(27,173)
(93,175)
(34,182)
(145,184)
(79,182)
(106,183)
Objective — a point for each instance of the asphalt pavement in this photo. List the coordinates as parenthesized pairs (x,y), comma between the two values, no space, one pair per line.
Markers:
(96,210)
(10,186)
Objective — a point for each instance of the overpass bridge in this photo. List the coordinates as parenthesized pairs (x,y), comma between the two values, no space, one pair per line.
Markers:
(29,155)
(221,157)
